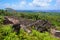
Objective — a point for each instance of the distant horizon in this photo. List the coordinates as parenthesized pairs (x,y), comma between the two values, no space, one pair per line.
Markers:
(38,11)
(33,10)
(28,9)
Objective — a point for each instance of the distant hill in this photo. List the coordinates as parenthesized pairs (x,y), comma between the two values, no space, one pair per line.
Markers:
(38,10)
(12,10)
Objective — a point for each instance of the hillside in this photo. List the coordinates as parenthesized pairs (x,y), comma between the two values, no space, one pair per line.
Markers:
(16,25)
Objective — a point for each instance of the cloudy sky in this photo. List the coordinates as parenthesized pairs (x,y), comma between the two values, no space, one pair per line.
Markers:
(30,4)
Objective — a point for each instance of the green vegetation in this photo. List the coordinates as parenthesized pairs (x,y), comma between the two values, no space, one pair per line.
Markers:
(6,31)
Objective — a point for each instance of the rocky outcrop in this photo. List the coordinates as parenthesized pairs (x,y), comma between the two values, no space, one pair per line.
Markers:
(26,24)
(55,33)
(11,20)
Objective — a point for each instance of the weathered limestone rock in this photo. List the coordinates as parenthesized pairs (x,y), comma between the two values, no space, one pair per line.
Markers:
(55,32)
(26,24)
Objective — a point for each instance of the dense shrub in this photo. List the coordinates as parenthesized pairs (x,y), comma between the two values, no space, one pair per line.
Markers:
(1,19)
(6,33)
(35,35)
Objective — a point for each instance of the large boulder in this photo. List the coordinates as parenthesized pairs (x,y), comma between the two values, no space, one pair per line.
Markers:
(39,25)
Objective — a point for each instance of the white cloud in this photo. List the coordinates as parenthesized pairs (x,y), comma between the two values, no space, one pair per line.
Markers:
(58,2)
(40,3)
(19,5)
(23,3)
(57,5)
(34,3)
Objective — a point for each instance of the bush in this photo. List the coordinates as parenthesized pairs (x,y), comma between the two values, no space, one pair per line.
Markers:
(1,19)
(35,35)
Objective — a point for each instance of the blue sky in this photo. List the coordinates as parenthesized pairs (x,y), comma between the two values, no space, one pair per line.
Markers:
(30,4)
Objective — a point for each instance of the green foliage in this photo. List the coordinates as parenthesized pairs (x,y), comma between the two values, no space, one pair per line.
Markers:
(1,19)
(54,18)
(7,33)
(35,35)
(11,36)
(4,31)
(43,36)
